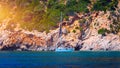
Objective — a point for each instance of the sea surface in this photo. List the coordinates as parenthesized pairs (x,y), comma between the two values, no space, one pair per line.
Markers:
(78,59)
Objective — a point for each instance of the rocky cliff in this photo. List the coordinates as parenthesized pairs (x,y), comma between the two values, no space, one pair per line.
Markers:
(96,30)
(81,35)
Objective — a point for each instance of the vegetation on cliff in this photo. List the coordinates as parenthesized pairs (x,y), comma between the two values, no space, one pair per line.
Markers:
(38,14)
(43,15)
(103,5)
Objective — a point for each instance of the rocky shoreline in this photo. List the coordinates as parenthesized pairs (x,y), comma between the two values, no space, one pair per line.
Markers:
(26,41)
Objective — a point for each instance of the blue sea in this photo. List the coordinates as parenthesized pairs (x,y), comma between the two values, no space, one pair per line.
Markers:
(78,59)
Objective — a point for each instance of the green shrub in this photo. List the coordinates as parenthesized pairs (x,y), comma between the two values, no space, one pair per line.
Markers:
(80,28)
(74,31)
(77,27)
(66,18)
(102,31)
(77,6)
(104,5)
(82,21)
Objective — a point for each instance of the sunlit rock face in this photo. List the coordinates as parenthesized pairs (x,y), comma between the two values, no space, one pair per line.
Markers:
(96,43)
(19,40)
(119,4)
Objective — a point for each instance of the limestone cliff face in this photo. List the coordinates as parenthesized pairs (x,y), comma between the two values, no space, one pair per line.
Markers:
(100,20)
(79,32)
(119,4)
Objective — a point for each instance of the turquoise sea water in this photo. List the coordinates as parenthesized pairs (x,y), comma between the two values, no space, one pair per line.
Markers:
(80,59)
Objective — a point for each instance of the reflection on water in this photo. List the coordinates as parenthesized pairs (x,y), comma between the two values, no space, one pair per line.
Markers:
(82,59)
